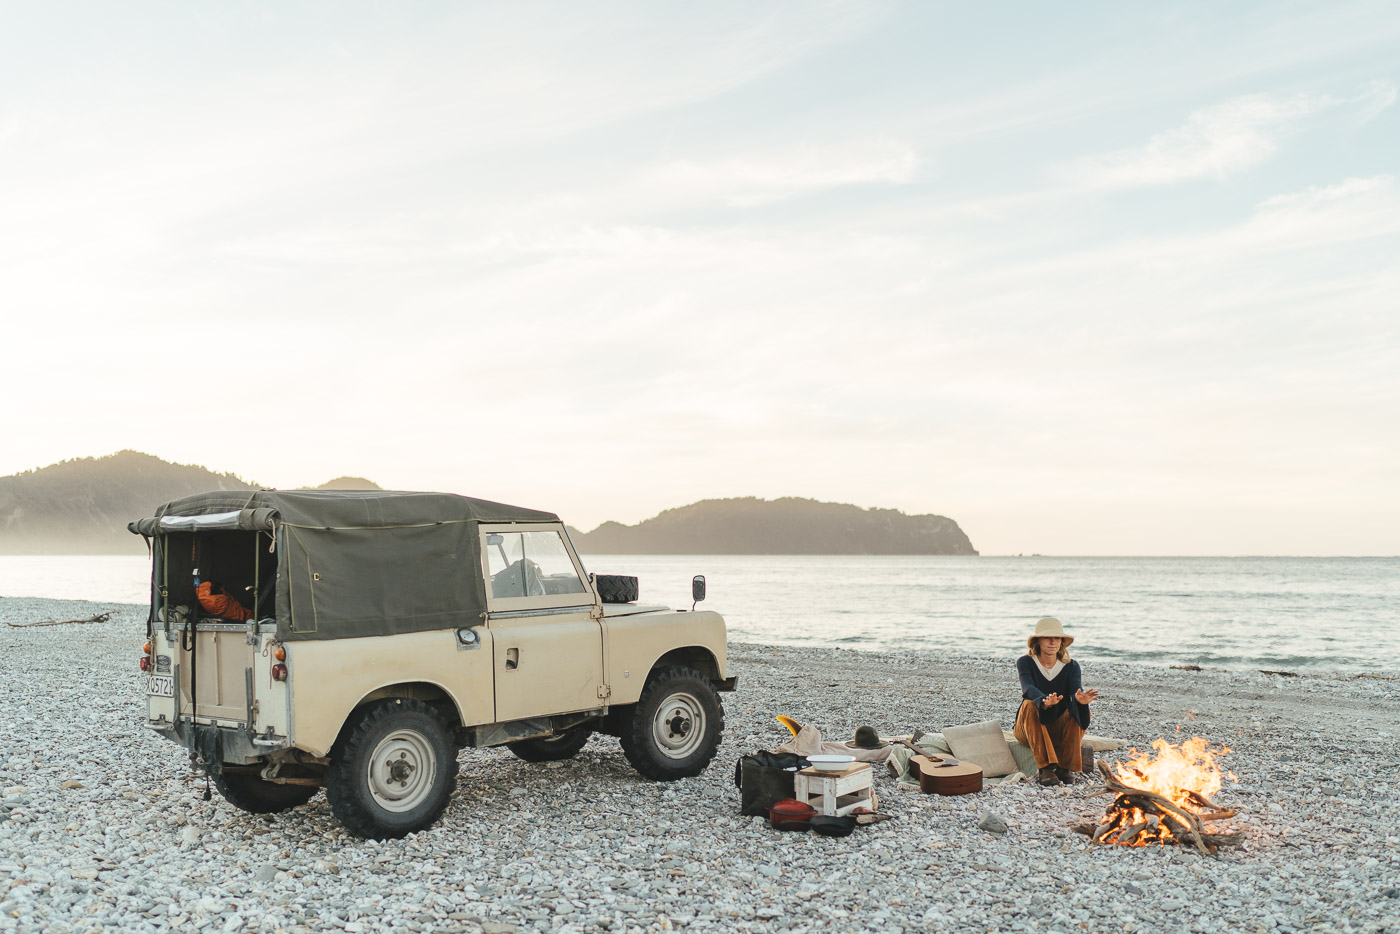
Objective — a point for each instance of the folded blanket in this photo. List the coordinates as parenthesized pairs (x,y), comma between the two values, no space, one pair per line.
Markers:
(808,742)
(933,744)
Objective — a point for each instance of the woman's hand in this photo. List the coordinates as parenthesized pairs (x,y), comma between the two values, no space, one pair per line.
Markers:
(1050,700)
(1085,697)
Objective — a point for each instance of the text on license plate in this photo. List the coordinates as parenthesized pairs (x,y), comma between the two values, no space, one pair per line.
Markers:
(160,685)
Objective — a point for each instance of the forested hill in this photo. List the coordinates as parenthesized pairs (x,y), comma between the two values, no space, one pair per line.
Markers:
(82,506)
(787,526)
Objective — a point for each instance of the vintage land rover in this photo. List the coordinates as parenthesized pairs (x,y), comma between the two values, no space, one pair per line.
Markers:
(357,640)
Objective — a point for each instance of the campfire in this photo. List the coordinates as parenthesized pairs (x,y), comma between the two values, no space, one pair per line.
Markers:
(1164,796)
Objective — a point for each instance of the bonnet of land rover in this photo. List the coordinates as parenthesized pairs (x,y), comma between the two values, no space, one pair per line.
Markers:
(356,640)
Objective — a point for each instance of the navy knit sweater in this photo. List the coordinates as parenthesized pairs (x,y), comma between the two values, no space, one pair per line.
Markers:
(1034,687)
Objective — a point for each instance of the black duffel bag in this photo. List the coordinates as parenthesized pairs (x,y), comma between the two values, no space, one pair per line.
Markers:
(763,779)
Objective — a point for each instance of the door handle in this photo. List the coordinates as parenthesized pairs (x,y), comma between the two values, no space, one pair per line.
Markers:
(512,659)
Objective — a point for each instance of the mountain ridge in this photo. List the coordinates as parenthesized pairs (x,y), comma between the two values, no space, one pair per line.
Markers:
(83,505)
(788,525)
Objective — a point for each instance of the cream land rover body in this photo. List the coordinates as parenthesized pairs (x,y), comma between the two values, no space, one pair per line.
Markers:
(385,630)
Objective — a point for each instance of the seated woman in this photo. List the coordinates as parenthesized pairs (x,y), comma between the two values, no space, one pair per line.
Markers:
(1055,712)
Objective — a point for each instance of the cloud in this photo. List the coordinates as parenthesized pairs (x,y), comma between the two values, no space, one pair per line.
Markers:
(1218,141)
(1319,195)
(774,176)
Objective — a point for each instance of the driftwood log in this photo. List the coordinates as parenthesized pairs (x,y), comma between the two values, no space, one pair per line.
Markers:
(99,618)
(1159,812)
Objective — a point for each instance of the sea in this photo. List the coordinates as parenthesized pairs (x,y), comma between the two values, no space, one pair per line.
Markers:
(1305,615)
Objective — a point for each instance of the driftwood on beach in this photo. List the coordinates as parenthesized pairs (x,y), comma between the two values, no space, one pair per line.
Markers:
(99,618)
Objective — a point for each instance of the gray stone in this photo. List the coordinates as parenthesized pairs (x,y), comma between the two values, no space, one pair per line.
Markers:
(991,822)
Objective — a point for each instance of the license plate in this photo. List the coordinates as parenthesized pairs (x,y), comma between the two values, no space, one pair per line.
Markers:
(160,685)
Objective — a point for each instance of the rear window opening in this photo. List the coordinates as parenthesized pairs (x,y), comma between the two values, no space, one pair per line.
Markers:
(237,568)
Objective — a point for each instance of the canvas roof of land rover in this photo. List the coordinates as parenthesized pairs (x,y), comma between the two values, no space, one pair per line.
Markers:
(333,564)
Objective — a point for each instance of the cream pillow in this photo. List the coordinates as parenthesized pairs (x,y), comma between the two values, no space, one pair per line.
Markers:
(982,744)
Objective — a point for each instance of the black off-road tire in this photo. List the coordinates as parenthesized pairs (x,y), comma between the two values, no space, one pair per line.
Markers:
(674,729)
(256,796)
(563,745)
(392,770)
(616,588)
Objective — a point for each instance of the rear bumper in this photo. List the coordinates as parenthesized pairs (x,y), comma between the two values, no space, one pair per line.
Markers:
(212,747)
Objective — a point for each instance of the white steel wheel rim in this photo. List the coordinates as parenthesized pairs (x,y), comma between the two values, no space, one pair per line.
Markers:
(679,725)
(401,771)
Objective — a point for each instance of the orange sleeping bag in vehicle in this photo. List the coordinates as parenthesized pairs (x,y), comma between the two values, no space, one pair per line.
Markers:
(218,603)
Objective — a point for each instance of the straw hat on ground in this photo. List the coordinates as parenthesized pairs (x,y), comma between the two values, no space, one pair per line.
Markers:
(1048,626)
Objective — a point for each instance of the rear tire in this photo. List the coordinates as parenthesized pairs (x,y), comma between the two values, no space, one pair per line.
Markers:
(563,745)
(393,770)
(675,727)
(257,796)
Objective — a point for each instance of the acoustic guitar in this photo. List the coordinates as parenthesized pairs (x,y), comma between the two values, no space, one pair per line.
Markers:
(944,775)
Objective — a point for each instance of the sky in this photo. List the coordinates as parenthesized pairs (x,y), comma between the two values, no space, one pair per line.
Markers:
(1096,278)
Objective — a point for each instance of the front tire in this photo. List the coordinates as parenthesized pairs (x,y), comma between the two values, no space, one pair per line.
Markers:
(564,745)
(256,796)
(393,770)
(675,726)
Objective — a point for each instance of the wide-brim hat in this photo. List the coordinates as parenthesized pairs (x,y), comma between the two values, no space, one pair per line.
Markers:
(866,738)
(1049,626)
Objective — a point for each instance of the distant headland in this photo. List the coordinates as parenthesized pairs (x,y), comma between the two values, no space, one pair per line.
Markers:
(786,526)
(82,506)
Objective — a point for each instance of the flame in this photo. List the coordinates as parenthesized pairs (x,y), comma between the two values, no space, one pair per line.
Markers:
(1173,772)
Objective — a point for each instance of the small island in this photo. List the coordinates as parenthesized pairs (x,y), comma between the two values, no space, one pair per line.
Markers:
(787,526)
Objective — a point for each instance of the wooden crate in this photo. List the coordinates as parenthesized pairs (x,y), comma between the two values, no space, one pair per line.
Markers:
(836,793)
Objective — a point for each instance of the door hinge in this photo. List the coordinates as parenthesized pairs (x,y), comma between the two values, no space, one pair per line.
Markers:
(605,690)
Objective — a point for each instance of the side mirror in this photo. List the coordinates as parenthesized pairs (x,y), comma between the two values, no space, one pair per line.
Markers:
(697,589)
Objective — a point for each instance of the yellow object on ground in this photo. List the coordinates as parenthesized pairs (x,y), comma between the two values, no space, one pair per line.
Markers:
(790,723)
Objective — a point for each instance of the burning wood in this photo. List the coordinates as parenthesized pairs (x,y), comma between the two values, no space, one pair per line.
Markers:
(1164,798)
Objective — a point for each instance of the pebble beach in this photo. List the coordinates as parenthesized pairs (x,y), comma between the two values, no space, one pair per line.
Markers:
(103,825)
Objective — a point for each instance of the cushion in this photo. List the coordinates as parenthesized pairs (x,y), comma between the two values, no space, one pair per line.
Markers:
(982,744)
(1103,743)
(1025,759)
(933,744)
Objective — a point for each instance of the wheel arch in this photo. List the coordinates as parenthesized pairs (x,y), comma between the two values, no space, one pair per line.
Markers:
(695,657)
(429,692)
